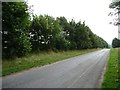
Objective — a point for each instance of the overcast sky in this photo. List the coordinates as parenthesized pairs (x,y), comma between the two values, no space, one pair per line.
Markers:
(94,12)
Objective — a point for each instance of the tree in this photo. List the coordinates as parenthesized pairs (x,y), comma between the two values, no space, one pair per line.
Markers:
(115,43)
(82,36)
(66,32)
(45,30)
(15,27)
(116,7)
(62,43)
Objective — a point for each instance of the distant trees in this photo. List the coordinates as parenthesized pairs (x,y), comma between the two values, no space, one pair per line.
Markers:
(44,32)
(115,43)
(80,36)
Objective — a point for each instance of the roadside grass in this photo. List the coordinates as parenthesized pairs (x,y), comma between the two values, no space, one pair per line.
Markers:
(38,59)
(111,75)
(119,68)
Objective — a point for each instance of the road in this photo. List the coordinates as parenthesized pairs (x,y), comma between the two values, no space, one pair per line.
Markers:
(84,71)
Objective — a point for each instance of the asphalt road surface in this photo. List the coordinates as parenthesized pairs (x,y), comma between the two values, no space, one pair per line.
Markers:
(84,71)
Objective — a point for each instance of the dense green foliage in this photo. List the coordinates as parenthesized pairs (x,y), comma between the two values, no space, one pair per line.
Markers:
(21,35)
(15,23)
(115,43)
(59,34)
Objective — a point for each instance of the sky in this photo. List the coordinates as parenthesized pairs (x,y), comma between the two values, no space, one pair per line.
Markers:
(93,12)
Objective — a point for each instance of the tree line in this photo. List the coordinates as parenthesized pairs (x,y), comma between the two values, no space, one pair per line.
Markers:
(116,43)
(22,35)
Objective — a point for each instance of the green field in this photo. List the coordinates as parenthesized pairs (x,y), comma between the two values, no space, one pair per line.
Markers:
(38,59)
(111,75)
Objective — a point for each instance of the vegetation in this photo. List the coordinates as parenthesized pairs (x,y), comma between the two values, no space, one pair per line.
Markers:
(119,68)
(111,76)
(38,59)
(22,35)
(116,7)
(15,29)
(115,43)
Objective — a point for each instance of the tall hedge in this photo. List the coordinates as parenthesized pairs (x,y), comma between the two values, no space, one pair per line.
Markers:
(15,24)
(43,32)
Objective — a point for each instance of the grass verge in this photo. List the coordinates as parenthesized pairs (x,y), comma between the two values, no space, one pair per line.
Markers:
(111,75)
(38,59)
